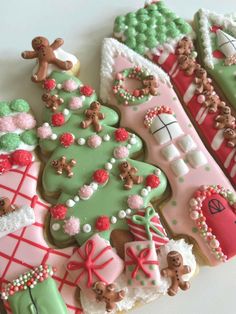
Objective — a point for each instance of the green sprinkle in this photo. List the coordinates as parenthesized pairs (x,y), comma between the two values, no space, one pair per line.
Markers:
(142,12)
(5,110)
(152,7)
(20,105)
(161,38)
(132,22)
(181,179)
(160,20)
(130,32)
(138,277)
(207,168)
(174,203)
(142,283)
(131,42)
(29,137)
(154,283)
(174,222)
(143,18)
(140,49)
(138,247)
(194,230)
(119,28)
(141,38)
(10,142)
(130,282)
(141,27)
(151,42)
(151,267)
(119,19)
(131,268)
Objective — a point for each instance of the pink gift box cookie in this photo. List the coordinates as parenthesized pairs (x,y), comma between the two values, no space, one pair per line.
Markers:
(142,266)
(94,261)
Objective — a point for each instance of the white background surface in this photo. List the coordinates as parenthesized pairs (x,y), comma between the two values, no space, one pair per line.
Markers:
(83,24)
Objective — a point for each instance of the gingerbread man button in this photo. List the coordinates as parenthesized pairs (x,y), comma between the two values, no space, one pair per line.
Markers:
(106,293)
(175,271)
(44,52)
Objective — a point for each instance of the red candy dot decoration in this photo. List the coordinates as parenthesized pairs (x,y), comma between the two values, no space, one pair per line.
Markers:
(121,135)
(58,211)
(21,158)
(67,139)
(49,84)
(100,176)
(5,164)
(102,223)
(86,90)
(153,181)
(58,119)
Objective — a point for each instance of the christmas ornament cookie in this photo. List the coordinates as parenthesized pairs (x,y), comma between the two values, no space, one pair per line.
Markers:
(88,160)
(171,144)
(166,40)
(50,57)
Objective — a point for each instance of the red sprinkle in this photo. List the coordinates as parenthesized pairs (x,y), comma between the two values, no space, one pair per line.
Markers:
(152,180)
(5,163)
(86,90)
(100,176)
(102,223)
(58,211)
(121,135)
(66,139)
(58,119)
(49,84)
(21,158)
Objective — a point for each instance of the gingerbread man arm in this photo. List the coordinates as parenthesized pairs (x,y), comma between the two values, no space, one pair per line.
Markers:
(101,116)
(57,43)
(167,272)
(186,269)
(29,54)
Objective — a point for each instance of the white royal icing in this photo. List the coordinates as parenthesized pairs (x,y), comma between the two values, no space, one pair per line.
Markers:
(179,167)
(186,143)
(170,152)
(196,159)
(226,43)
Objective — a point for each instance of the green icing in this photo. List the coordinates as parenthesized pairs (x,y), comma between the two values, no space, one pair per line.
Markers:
(5,109)
(150,26)
(20,105)
(223,75)
(29,137)
(88,160)
(46,298)
(9,142)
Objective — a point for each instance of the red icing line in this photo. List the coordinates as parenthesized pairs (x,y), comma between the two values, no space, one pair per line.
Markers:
(218,54)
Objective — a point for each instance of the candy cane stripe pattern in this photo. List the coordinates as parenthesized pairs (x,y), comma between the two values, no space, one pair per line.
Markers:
(146,225)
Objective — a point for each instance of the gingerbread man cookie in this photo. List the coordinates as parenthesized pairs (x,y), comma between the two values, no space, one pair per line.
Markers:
(151,85)
(93,116)
(52,101)
(5,206)
(185,46)
(106,293)
(62,164)
(44,52)
(225,119)
(187,64)
(202,81)
(175,271)
(212,101)
(128,175)
(230,136)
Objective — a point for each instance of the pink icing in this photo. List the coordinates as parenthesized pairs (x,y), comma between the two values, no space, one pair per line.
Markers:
(7,124)
(75,103)
(44,131)
(85,192)
(135,202)
(72,226)
(94,141)
(69,85)
(175,211)
(24,121)
(121,152)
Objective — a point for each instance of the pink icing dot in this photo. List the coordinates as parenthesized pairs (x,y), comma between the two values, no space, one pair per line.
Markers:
(94,141)
(69,85)
(135,202)
(72,226)
(201,99)
(85,192)
(75,103)
(25,121)
(121,152)
(44,131)
(7,124)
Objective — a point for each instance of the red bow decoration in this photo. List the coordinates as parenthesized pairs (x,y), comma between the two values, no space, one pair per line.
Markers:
(140,260)
(89,263)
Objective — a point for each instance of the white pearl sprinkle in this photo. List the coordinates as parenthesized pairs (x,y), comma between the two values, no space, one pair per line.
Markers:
(56,227)
(129,146)
(122,214)
(70,203)
(59,86)
(53,137)
(133,141)
(108,166)
(144,192)
(133,135)
(76,198)
(83,98)
(81,141)
(106,138)
(46,124)
(66,112)
(149,188)
(94,186)
(128,211)
(112,160)
(87,228)
(157,172)
(113,220)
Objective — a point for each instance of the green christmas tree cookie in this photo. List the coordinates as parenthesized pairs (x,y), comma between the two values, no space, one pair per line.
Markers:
(90,170)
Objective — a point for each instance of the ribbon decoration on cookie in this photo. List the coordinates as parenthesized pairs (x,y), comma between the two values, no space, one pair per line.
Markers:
(89,263)
(140,261)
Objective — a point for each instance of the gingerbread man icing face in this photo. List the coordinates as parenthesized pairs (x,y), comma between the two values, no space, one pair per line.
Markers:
(44,52)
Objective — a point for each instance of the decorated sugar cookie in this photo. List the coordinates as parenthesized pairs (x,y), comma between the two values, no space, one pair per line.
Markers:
(171,144)
(50,57)
(88,160)
(166,39)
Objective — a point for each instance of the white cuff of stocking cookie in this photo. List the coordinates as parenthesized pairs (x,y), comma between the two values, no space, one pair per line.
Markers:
(15,220)
(142,295)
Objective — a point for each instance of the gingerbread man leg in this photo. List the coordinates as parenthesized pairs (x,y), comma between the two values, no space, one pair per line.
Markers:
(86,123)
(128,183)
(96,124)
(41,73)
(63,65)
(184,285)
(172,291)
